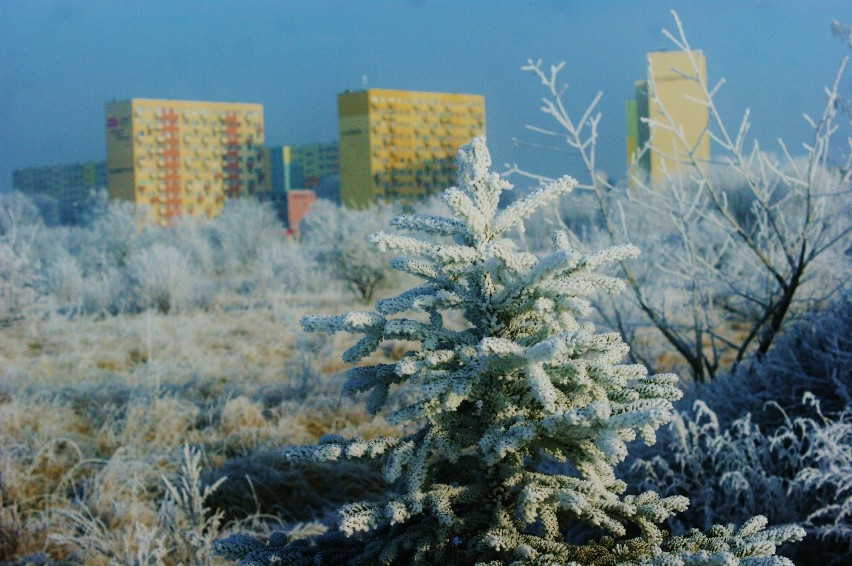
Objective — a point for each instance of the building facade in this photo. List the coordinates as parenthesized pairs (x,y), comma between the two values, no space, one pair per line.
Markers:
(311,167)
(670,99)
(174,157)
(298,204)
(306,166)
(301,166)
(64,193)
(400,145)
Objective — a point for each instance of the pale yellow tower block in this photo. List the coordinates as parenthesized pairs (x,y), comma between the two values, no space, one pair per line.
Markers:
(678,117)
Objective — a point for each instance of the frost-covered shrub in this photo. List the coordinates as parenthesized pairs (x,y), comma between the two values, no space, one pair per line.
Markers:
(194,236)
(523,383)
(813,356)
(79,269)
(162,279)
(65,283)
(107,241)
(288,267)
(20,278)
(110,265)
(17,284)
(799,472)
(20,220)
(244,229)
(775,436)
(336,237)
(106,292)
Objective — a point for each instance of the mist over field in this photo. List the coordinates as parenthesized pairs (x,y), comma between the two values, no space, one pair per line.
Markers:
(583,355)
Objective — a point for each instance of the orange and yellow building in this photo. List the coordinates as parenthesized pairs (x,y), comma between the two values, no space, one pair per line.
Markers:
(174,157)
(398,145)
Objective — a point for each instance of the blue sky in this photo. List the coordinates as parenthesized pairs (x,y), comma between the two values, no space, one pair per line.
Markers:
(60,61)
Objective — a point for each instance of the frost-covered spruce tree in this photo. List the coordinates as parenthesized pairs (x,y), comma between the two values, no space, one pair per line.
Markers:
(523,383)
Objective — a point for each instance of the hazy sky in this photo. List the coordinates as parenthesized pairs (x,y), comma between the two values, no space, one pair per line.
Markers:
(60,61)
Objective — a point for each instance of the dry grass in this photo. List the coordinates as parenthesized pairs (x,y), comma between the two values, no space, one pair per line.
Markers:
(142,438)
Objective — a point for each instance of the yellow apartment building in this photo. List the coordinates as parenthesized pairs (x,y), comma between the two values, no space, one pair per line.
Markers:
(671,97)
(175,157)
(398,145)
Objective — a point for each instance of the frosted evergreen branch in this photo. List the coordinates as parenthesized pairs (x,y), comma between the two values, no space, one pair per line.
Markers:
(356,322)
(517,212)
(443,253)
(461,203)
(430,224)
(332,447)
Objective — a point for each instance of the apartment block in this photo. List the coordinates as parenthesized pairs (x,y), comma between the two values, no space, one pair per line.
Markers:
(311,167)
(175,157)
(301,166)
(56,179)
(398,145)
(670,99)
(307,165)
(63,192)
